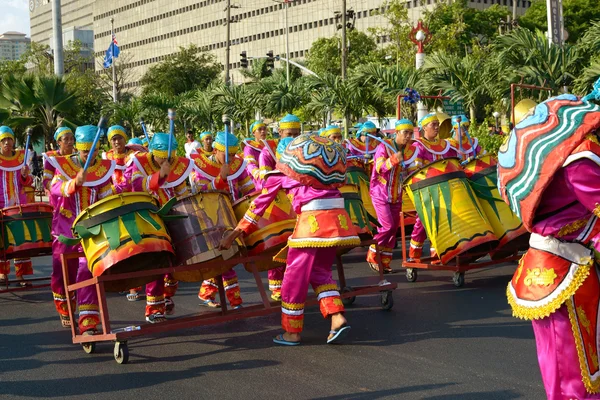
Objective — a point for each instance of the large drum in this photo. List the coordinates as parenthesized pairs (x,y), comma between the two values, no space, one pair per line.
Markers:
(450,211)
(274,228)
(124,233)
(29,193)
(27,230)
(507,227)
(196,238)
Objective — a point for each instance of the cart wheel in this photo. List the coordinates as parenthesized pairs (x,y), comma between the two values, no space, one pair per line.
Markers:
(89,348)
(458,279)
(348,301)
(121,353)
(411,274)
(387,300)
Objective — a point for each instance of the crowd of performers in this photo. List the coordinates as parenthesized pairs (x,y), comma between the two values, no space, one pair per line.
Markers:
(555,193)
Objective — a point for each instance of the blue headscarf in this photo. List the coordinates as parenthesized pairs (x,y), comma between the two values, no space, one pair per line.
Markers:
(159,145)
(60,132)
(232,142)
(84,136)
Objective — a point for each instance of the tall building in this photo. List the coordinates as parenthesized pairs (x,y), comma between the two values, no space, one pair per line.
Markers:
(12,45)
(148,31)
(75,13)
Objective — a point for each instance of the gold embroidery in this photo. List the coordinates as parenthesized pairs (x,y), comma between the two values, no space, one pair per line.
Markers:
(264,191)
(572,227)
(100,171)
(314,225)
(343,221)
(592,138)
(519,269)
(338,302)
(252,206)
(593,356)
(66,213)
(540,277)
(179,169)
(597,210)
(292,306)
(296,323)
(585,322)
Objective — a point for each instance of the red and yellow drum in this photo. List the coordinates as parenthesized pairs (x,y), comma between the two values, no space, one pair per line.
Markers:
(506,225)
(27,230)
(197,237)
(450,211)
(124,233)
(30,193)
(274,228)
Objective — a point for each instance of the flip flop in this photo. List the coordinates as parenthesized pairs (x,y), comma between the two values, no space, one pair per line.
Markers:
(210,303)
(339,335)
(24,284)
(280,340)
(133,297)
(374,267)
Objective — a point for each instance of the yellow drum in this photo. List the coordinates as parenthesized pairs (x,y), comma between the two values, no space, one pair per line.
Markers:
(29,193)
(197,237)
(124,233)
(274,228)
(354,206)
(507,227)
(356,175)
(450,211)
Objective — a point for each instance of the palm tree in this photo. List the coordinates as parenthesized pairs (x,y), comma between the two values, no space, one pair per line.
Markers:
(234,101)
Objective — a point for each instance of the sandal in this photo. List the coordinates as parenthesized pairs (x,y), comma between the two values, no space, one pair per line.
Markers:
(24,284)
(156,318)
(279,339)
(210,303)
(133,296)
(374,267)
(65,321)
(169,306)
(338,335)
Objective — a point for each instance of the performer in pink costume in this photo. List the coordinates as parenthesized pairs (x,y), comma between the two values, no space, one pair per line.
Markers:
(465,146)
(74,191)
(212,173)
(386,190)
(430,148)
(289,126)
(322,224)
(154,174)
(14,176)
(253,148)
(557,285)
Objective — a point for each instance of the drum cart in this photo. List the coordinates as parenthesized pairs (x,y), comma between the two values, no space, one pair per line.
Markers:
(433,263)
(43,281)
(121,336)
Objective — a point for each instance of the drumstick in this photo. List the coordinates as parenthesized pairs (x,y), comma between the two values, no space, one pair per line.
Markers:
(101,125)
(367,148)
(29,132)
(144,129)
(226,122)
(171,115)
(459,119)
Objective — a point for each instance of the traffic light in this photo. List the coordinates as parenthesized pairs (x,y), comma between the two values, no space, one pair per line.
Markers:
(243,59)
(270,60)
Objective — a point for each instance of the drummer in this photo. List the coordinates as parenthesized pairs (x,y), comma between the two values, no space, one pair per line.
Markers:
(213,173)
(461,142)
(386,190)
(65,140)
(431,148)
(289,126)
(75,190)
(15,175)
(358,146)
(206,140)
(153,173)
(322,225)
(252,149)
(332,132)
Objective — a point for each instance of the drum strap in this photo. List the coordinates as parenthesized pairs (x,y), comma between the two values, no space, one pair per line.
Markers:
(437,179)
(117,212)
(483,172)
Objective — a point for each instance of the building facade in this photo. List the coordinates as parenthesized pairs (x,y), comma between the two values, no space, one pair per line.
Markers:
(12,45)
(75,14)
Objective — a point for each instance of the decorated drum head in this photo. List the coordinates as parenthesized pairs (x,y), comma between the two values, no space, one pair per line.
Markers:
(314,161)
(539,146)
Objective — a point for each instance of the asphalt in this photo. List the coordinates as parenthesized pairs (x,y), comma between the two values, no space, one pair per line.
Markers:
(438,342)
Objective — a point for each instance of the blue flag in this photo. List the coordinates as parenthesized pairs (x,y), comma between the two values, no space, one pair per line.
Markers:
(113,51)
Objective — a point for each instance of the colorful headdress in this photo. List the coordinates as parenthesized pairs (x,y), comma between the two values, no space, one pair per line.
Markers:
(84,137)
(283,143)
(232,142)
(367,127)
(205,134)
(403,124)
(5,132)
(426,120)
(159,145)
(290,121)
(135,141)
(538,146)
(116,130)
(62,131)
(464,121)
(314,161)
(256,125)
(330,130)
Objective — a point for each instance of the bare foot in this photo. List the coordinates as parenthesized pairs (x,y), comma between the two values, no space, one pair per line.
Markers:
(291,337)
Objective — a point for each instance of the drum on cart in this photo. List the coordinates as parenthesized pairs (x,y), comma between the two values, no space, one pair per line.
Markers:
(356,210)
(197,237)
(274,227)
(450,212)
(124,233)
(507,227)
(27,230)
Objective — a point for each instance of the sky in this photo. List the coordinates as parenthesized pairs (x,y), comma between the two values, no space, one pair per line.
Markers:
(15,16)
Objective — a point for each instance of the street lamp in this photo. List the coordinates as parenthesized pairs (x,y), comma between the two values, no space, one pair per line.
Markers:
(420,36)
(496,115)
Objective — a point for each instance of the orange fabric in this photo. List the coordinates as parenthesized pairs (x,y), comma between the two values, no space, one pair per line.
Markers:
(331,305)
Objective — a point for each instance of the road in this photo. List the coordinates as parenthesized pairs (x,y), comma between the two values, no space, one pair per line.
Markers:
(438,342)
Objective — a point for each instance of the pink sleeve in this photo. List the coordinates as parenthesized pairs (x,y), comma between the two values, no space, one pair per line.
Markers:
(260,204)
(584,179)
(383,163)
(251,162)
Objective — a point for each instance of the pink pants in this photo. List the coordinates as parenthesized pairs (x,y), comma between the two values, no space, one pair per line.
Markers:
(304,266)
(417,239)
(209,289)
(557,356)
(388,216)
(57,283)
(276,280)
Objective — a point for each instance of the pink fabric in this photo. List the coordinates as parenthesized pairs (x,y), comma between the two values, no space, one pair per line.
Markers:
(386,177)
(557,356)
(12,199)
(388,216)
(252,156)
(266,161)
(56,277)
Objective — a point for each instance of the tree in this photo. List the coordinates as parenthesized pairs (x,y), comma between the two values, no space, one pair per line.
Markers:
(324,55)
(12,67)
(577,14)
(190,68)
